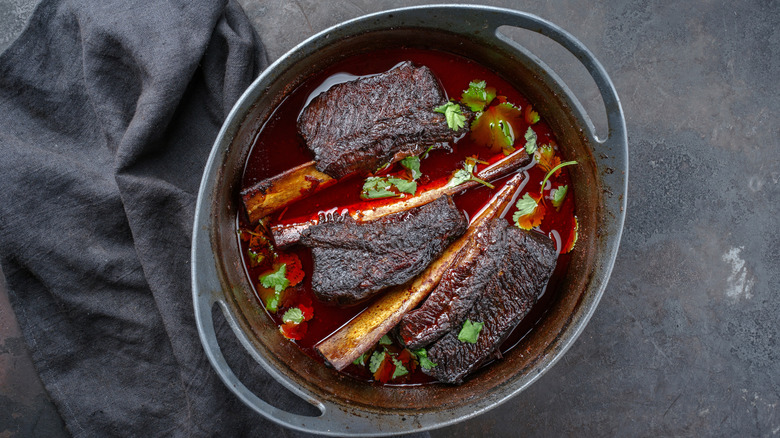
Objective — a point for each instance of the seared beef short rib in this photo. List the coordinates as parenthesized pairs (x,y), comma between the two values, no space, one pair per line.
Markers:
(497,287)
(361,125)
(354,260)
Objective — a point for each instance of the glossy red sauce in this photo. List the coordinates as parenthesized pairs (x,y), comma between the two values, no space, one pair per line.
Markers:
(277,148)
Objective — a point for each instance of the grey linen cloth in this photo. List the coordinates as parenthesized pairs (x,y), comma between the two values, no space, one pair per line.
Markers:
(108,110)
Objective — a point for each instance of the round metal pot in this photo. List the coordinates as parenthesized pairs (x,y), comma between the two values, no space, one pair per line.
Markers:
(349,407)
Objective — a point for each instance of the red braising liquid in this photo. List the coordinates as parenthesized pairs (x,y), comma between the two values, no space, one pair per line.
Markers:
(277,148)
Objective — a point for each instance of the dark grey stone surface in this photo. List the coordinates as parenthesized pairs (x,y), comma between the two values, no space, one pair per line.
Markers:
(685,340)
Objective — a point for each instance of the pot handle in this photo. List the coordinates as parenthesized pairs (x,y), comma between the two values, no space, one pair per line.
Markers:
(616,136)
(205,324)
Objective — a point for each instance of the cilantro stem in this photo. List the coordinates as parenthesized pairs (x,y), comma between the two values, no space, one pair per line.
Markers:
(555,169)
(485,183)
(549,174)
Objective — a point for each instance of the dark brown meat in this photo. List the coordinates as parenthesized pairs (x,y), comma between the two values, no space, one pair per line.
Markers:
(361,125)
(511,273)
(453,297)
(354,260)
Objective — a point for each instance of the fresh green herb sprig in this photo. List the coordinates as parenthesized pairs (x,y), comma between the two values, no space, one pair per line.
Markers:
(470,331)
(467,174)
(277,281)
(453,114)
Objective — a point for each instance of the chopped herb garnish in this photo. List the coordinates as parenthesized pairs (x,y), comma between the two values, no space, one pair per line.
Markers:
(478,95)
(412,164)
(278,282)
(558,195)
(555,169)
(454,115)
(294,315)
(496,127)
(467,174)
(272,302)
(529,212)
(470,331)
(422,358)
(400,369)
(530,141)
(385,340)
(361,360)
(403,185)
(377,187)
(546,158)
(376,359)
(530,115)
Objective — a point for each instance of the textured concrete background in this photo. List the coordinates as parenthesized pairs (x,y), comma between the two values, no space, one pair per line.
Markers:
(685,340)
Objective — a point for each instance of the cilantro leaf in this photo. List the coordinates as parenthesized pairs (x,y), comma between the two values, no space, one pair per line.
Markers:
(558,196)
(403,185)
(530,115)
(467,174)
(400,369)
(412,164)
(385,340)
(272,302)
(361,360)
(526,205)
(496,127)
(376,187)
(454,115)
(276,279)
(529,212)
(294,315)
(530,141)
(470,331)
(422,358)
(478,95)
(376,360)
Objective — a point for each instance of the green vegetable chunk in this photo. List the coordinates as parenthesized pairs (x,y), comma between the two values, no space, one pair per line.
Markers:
(470,331)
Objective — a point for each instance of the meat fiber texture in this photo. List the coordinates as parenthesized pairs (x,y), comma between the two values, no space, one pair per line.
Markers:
(502,285)
(361,125)
(355,260)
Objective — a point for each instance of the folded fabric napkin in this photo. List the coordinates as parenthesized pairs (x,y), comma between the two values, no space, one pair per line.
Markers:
(108,111)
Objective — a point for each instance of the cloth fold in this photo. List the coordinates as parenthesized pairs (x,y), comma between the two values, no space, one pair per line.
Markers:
(108,111)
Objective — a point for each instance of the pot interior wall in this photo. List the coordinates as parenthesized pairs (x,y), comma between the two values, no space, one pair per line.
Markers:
(326,384)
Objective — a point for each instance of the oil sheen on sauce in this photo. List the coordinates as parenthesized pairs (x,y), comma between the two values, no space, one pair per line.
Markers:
(277,148)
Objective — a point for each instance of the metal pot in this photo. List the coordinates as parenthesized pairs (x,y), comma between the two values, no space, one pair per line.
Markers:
(349,407)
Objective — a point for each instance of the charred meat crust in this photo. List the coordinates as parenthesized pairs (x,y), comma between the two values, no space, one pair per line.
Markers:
(508,276)
(361,125)
(354,260)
